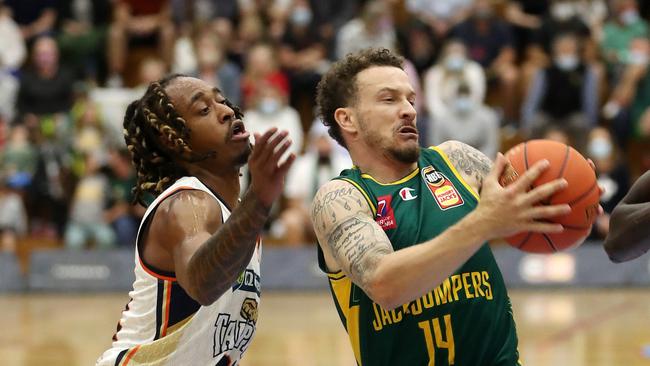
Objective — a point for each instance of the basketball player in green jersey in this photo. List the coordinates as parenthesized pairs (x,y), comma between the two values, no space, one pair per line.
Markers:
(403,234)
(629,227)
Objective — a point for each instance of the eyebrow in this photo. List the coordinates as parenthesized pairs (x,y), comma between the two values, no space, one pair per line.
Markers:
(394,90)
(201,94)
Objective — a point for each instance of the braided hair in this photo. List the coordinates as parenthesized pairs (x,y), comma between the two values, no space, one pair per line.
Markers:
(148,122)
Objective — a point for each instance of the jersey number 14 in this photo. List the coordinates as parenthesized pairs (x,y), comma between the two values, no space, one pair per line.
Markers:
(433,331)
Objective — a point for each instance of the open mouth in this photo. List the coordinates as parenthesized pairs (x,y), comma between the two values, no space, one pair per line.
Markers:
(238,131)
(408,131)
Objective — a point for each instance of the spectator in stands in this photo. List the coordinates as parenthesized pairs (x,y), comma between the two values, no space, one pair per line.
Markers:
(270,109)
(18,158)
(86,222)
(418,44)
(13,219)
(323,159)
(629,104)
(467,120)
(119,212)
(35,18)
(489,42)
(373,27)
(215,68)
(563,95)
(12,55)
(82,36)
(612,173)
(442,81)
(46,87)
(261,67)
(526,17)
(441,16)
(89,135)
(624,26)
(138,22)
(329,17)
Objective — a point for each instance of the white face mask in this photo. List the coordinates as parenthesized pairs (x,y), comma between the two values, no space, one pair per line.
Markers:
(629,17)
(455,62)
(463,104)
(566,62)
(268,105)
(637,58)
(301,16)
(600,148)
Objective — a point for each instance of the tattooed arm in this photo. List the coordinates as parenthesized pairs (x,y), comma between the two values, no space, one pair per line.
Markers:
(354,243)
(472,164)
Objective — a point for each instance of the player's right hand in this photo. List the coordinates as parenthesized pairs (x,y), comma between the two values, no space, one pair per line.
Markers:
(505,211)
(267,173)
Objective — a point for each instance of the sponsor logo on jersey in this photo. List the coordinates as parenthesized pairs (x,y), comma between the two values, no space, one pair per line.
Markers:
(248,281)
(385,215)
(407,194)
(249,310)
(233,334)
(441,188)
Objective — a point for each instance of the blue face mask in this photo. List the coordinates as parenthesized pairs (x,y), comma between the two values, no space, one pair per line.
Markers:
(463,104)
(301,16)
(455,62)
(566,62)
(629,17)
(268,105)
(600,148)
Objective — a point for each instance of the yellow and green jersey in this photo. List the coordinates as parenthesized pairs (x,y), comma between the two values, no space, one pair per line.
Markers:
(467,320)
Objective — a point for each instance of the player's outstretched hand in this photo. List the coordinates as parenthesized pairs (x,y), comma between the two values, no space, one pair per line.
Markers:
(508,210)
(267,172)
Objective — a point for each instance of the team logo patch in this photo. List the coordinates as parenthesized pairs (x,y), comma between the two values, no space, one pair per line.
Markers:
(407,194)
(249,310)
(248,281)
(385,215)
(441,188)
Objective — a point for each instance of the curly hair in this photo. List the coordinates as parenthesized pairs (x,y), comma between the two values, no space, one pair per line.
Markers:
(338,87)
(148,122)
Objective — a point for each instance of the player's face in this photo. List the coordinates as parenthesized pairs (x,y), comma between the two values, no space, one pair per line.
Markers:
(385,114)
(213,125)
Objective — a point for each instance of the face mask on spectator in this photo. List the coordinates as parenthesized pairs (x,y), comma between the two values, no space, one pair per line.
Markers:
(463,104)
(455,62)
(637,58)
(629,16)
(566,62)
(301,16)
(600,148)
(562,11)
(268,105)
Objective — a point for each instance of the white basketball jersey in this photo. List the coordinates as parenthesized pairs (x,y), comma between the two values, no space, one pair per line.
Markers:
(162,325)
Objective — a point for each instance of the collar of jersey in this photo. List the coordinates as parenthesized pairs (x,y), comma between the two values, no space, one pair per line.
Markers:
(399,181)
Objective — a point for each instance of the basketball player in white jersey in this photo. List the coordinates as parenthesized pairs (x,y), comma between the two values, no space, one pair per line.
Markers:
(197,259)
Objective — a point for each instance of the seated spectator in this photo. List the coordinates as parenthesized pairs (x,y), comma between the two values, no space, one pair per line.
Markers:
(19,158)
(261,67)
(417,43)
(467,120)
(35,18)
(441,16)
(119,212)
(323,160)
(82,36)
(13,219)
(329,17)
(489,42)
(12,55)
(215,68)
(525,17)
(629,104)
(564,95)
(612,173)
(442,81)
(372,28)
(46,86)
(624,26)
(140,22)
(86,222)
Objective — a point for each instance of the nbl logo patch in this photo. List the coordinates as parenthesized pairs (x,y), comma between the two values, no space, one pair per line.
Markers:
(385,215)
(441,188)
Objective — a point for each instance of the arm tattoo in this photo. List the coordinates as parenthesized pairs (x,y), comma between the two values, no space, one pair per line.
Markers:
(358,253)
(325,206)
(469,161)
(218,262)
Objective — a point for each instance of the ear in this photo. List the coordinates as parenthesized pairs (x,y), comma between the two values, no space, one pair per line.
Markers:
(346,120)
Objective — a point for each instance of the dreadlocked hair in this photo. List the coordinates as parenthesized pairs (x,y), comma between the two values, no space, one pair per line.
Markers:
(157,137)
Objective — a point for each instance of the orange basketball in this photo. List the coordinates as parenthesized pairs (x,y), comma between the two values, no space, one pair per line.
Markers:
(582,193)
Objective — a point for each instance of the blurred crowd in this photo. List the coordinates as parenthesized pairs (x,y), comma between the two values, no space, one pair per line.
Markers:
(490,73)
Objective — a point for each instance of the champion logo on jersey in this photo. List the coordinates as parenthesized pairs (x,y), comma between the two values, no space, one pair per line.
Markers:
(407,194)
(385,215)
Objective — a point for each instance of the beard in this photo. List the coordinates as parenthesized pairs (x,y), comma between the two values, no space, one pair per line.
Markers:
(406,154)
(242,158)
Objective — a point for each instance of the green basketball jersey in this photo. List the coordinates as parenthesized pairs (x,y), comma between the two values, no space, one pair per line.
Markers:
(467,320)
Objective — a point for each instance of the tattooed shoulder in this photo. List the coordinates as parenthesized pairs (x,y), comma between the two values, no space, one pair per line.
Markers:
(472,164)
(335,200)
